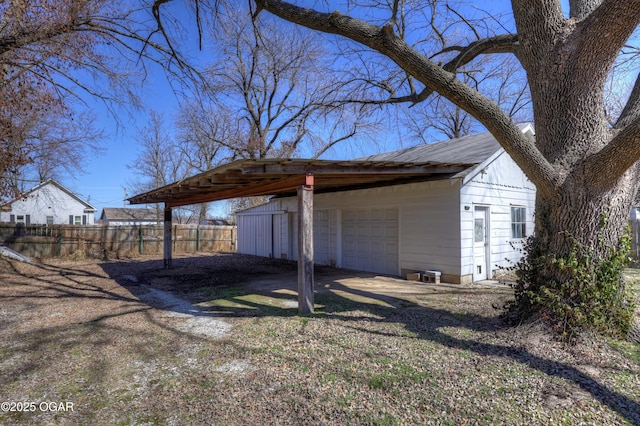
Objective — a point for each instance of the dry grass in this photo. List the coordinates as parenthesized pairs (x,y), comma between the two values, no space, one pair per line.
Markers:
(107,337)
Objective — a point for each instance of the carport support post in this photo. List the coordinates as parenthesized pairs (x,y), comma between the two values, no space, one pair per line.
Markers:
(167,237)
(305,246)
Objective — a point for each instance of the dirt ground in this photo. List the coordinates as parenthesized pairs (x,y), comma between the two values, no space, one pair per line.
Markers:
(217,340)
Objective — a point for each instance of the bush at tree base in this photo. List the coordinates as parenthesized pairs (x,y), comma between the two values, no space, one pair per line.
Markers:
(591,294)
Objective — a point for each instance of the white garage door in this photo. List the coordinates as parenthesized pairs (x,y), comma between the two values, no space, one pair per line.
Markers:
(370,240)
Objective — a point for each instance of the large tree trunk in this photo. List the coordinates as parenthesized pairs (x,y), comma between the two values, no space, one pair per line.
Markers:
(572,272)
(574,266)
(590,216)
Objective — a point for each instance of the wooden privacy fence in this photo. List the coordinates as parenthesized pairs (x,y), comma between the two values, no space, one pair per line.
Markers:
(42,241)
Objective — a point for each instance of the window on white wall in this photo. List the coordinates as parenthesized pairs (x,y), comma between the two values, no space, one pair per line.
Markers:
(49,220)
(20,219)
(518,222)
(77,220)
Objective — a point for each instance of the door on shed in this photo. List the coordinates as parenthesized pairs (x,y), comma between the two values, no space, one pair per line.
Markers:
(257,235)
(370,240)
(480,243)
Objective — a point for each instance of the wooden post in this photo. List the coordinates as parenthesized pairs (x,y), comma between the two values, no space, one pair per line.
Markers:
(167,237)
(305,246)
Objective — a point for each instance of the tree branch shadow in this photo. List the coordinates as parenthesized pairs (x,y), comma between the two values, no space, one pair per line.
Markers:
(334,299)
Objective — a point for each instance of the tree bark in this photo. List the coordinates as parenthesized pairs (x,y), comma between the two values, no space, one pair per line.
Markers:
(593,217)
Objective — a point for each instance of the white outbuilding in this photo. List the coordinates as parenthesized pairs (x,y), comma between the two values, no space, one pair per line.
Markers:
(466,225)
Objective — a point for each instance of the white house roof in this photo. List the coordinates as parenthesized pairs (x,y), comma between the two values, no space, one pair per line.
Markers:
(88,207)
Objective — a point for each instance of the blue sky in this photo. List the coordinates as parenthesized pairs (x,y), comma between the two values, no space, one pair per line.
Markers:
(107,176)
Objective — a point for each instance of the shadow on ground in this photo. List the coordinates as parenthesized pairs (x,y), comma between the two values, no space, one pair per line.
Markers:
(231,286)
(241,286)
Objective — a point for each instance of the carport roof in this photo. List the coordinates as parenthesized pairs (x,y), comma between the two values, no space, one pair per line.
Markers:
(246,178)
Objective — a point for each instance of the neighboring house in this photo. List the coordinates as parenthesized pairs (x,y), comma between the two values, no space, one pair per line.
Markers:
(467,225)
(129,216)
(48,203)
(217,222)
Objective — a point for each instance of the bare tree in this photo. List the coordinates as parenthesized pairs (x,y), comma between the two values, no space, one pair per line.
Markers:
(57,144)
(160,162)
(269,94)
(53,52)
(203,137)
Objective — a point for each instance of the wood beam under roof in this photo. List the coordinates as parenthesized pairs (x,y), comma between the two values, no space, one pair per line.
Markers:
(246,178)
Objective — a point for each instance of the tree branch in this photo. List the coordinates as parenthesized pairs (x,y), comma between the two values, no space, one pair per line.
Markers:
(614,159)
(631,111)
(540,21)
(156,14)
(578,9)
(505,43)
(26,38)
(522,149)
(605,31)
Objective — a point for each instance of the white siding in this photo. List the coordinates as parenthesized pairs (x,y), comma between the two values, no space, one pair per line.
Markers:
(256,236)
(259,230)
(321,237)
(430,231)
(499,187)
(49,201)
(428,224)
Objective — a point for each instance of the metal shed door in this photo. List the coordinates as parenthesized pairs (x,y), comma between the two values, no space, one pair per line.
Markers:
(370,240)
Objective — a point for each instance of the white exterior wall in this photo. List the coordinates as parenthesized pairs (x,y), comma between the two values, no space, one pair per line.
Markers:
(133,222)
(288,233)
(499,187)
(49,200)
(259,230)
(428,218)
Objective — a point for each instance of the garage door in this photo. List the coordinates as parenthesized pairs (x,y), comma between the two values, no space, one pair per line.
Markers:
(370,240)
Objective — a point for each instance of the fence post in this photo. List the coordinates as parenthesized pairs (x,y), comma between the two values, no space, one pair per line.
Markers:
(198,239)
(60,244)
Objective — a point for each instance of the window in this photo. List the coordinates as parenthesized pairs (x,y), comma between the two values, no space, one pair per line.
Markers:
(77,220)
(20,219)
(518,222)
(478,230)
(49,220)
